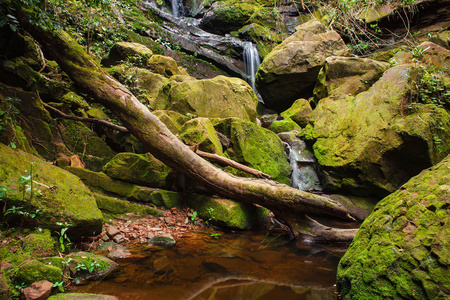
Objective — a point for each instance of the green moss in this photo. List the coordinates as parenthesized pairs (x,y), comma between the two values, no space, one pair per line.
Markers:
(138,168)
(173,120)
(33,271)
(75,101)
(284,126)
(227,213)
(401,249)
(39,243)
(118,206)
(58,194)
(299,112)
(200,132)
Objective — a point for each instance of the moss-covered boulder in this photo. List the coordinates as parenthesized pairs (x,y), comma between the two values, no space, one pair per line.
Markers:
(59,195)
(144,84)
(33,271)
(402,250)
(200,133)
(290,70)
(347,76)
(373,143)
(284,126)
(219,97)
(226,16)
(39,243)
(126,51)
(173,120)
(299,112)
(103,181)
(138,168)
(160,198)
(256,147)
(264,37)
(119,206)
(85,266)
(164,65)
(227,213)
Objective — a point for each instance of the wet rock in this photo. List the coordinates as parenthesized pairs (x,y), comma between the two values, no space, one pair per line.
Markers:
(119,253)
(38,290)
(402,249)
(290,70)
(87,266)
(166,240)
(112,231)
(34,271)
(118,238)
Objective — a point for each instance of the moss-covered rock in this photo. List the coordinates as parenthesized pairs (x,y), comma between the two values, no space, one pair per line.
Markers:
(33,271)
(60,195)
(89,266)
(91,148)
(290,70)
(284,125)
(347,76)
(39,243)
(173,120)
(256,147)
(227,213)
(161,198)
(144,84)
(200,132)
(138,168)
(219,97)
(226,16)
(402,250)
(371,144)
(299,112)
(74,101)
(264,37)
(164,65)
(125,51)
(103,181)
(119,206)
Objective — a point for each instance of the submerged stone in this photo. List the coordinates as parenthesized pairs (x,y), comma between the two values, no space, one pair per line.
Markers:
(82,296)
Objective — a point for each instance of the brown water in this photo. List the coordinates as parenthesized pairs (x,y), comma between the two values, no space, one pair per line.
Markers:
(235,266)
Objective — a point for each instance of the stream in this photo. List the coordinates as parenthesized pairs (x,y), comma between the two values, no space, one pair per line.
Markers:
(244,265)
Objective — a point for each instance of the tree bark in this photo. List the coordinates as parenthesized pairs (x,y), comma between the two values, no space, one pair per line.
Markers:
(155,136)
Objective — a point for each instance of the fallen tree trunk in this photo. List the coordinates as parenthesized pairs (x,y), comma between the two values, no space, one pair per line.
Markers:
(155,136)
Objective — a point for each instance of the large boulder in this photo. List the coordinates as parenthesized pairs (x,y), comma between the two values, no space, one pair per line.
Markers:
(138,168)
(290,70)
(59,195)
(372,143)
(200,132)
(126,51)
(402,250)
(219,97)
(348,76)
(255,147)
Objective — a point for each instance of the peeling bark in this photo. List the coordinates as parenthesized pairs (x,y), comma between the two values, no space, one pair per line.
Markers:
(286,202)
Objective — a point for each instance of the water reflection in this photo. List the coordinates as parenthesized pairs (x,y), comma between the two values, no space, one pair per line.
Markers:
(236,266)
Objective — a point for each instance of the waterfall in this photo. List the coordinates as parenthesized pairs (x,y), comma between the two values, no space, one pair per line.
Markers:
(175,8)
(304,177)
(251,61)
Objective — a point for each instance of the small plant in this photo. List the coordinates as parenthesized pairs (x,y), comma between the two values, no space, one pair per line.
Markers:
(63,239)
(212,216)
(90,267)
(194,217)
(215,235)
(59,285)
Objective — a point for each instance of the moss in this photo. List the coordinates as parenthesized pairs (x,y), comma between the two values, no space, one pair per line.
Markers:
(118,206)
(256,147)
(173,120)
(284,126)
(39,243)
(299,112)
(75,101)
(58,194)
(103,181)
(200,132)
(138,168)
(101,266)
(33,271)
(227,213)
(403,253)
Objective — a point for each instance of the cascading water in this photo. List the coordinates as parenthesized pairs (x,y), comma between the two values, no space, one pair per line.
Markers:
(251,61)
(175,8)
(304,177)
